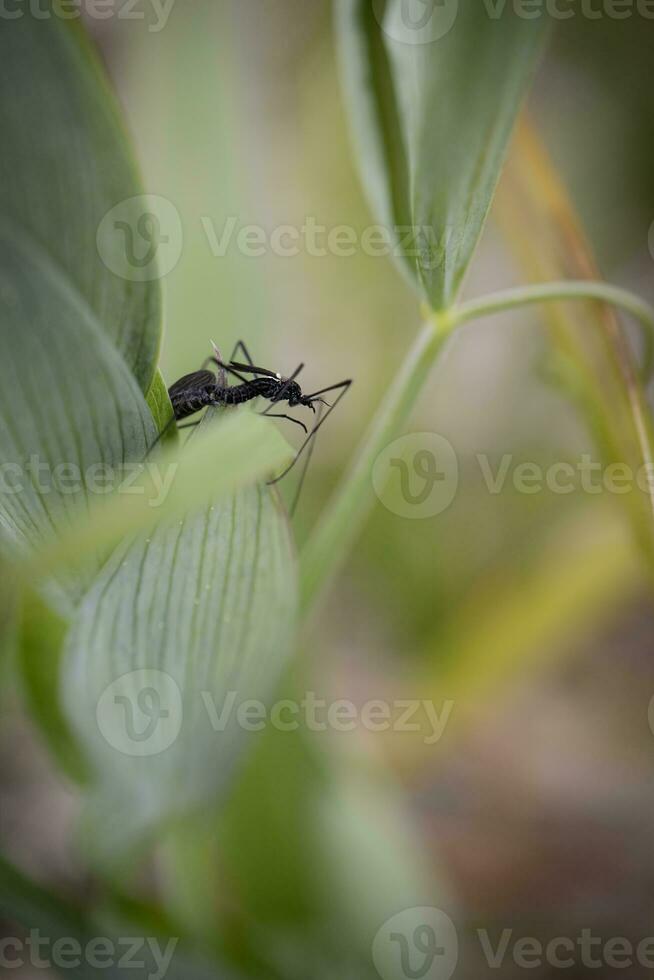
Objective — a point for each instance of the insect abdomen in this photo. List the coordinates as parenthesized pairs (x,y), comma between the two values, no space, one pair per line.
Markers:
(191,402)
(239,394)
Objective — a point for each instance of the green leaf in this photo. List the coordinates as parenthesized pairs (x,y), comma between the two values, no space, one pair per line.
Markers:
(40,644)
(67,404)
(178,627)
(30,906)
(8,617)
(160,405)
(65,164)
(226,455)
(432,110)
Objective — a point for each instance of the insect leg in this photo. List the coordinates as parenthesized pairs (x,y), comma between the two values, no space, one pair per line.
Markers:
(230,370)
(169,424)
(298,489)
(272,415)
(241,344)
(343,385)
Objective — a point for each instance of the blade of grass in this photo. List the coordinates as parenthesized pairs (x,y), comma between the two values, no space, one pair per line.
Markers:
(540,222)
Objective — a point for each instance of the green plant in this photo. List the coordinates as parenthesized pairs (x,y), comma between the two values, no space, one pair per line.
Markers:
(205,587)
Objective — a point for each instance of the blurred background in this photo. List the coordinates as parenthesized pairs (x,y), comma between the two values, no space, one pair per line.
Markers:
(528,613)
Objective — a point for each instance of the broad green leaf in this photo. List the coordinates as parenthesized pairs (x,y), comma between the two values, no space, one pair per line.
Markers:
(65,165)
(314,848)
(71,414)
(433,91)
(178,630)
(231,453)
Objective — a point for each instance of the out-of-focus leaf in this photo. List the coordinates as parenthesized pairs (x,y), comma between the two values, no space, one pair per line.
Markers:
(65,164)
(9,592)
(40,646)
(305,861)
(267,830)
(175,633)
(316,847)
(433,95)
(31,906)
(23,901)
(549,242)
(371,863)
(71,414)
(223,457)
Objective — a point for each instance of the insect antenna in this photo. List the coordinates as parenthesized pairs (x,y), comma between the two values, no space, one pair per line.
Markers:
(343,385)
(298,489)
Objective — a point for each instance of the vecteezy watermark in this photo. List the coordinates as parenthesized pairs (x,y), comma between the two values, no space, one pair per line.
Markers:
(564,952)
(416,944)
(425,21)
(566,9)
(141,238)
(417,475)
(420,242)
(153,13)
(142,712)
(97,479)
(98,953)
(421,943)
(416,21)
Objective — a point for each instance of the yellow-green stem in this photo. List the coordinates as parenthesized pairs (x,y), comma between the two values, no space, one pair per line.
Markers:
(574,289)
(346,512)
(329,544)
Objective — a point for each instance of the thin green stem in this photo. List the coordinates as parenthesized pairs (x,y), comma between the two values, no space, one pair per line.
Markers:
(329,544)
(580,289)
(346,512)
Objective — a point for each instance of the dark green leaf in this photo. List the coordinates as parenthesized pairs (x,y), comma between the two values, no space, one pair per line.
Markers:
(30,906)
(71,414)
(433,92)
(65,164)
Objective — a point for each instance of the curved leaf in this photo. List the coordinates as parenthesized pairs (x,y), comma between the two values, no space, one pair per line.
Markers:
(71,414)
(239,448)
(28,904)
(40,644)
(160,405)
(177,628)
(433,100)
(65,164)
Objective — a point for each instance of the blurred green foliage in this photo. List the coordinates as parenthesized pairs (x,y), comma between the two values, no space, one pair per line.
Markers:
(237,113)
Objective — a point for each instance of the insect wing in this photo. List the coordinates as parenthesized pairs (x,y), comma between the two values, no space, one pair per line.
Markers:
(250,368)
(190,382)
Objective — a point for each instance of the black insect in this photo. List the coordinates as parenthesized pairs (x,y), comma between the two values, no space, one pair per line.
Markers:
(203,388)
